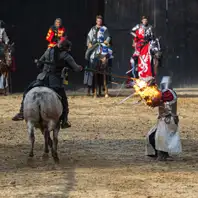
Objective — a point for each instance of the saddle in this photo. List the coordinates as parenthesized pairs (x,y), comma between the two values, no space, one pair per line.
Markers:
(42,76)
(41,83)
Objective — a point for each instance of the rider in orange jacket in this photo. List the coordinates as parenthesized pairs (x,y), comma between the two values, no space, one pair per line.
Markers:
(56,33)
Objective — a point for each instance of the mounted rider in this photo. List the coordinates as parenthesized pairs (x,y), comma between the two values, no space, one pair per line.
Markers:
(56,33)
(142,35)
(53,64)
(4,40)
(98,34)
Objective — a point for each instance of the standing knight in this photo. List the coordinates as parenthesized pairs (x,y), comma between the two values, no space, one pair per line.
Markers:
(164,138)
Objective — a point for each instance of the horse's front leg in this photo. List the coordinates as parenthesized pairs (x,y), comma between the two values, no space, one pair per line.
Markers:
(105,64)
(95,85)
(156,63)
(100,84)
(89,91)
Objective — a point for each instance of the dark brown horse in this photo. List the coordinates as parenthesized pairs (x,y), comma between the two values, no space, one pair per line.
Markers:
(100,64)
(99,83)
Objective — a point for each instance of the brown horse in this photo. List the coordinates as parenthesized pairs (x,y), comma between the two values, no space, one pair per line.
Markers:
(5,63)
(100,79)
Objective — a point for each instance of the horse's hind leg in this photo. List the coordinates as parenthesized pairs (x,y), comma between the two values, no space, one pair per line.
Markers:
(32,138)
(47,142)
(55,144)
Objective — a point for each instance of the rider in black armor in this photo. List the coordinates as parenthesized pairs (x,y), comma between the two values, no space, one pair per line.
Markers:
(52,63)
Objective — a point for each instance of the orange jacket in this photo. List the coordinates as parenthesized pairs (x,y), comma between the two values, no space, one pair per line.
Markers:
(55,35)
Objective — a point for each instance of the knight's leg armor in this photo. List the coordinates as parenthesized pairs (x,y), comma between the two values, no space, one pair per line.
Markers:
(64,116)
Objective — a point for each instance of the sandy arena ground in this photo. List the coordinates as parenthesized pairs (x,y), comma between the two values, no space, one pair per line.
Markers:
(101,156)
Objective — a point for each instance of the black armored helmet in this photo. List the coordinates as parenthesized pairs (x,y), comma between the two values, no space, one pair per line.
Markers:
(64,44)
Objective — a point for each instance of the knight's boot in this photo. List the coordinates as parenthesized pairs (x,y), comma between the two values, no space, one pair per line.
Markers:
(64,118)
(19,116)
(64,122)
(162,156)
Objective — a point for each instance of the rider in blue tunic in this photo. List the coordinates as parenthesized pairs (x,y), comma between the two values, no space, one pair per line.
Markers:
(98,39)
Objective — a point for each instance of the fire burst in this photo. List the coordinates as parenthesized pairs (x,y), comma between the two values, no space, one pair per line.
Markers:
(149,93)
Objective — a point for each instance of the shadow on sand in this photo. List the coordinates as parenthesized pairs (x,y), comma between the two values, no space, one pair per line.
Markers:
(99,153)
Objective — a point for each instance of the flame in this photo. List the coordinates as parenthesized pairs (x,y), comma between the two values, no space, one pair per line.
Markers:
(149,93)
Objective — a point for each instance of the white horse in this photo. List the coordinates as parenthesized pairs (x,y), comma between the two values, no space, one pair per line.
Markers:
(42,109)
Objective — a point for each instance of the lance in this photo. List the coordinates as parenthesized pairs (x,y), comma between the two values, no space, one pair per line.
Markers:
(88,69)
(108,74)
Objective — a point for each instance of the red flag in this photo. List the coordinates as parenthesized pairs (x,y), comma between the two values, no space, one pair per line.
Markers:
(144,62)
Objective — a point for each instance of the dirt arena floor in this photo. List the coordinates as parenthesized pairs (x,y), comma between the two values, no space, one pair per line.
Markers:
(101,156)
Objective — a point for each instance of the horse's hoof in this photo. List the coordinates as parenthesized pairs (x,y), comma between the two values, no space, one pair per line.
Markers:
(55,157)
(45,156)
(31,154)
(106,95)
(56,160)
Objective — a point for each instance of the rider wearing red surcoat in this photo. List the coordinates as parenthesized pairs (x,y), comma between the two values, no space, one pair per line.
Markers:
(142,34)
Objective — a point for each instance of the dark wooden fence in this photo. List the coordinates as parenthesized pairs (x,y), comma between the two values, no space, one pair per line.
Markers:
(176,22)
(29,21)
